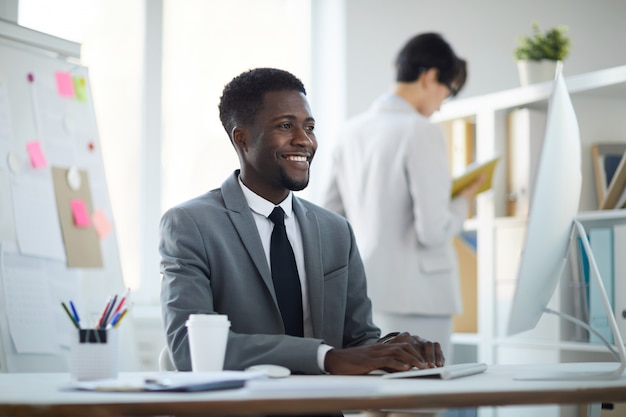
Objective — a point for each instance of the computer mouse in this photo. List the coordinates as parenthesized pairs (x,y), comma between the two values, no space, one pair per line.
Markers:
(272,371)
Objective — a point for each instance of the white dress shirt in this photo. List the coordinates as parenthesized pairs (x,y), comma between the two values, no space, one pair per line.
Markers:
(261,209)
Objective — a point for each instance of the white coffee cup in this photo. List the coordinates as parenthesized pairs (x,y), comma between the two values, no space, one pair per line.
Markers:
(208,336)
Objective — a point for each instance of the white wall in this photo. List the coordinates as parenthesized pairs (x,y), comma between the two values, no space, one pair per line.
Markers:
(482,31)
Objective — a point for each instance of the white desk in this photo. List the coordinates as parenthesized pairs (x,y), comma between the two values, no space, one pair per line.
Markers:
(42,395)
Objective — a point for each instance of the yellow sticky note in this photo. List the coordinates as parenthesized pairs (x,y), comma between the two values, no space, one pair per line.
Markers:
(80,88)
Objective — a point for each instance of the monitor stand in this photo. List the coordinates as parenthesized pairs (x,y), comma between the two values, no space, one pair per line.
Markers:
(585,371)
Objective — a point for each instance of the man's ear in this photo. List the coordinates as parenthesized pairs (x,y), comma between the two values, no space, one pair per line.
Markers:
(240,138)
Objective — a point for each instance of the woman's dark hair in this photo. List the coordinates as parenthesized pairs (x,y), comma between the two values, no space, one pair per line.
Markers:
(430,50)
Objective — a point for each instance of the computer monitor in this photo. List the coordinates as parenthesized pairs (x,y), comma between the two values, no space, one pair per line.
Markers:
(551,226)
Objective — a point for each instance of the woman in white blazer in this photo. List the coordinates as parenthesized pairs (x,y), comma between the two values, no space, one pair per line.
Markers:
(391,179)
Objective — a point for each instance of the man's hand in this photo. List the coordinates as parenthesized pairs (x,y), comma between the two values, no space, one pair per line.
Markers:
(401,353)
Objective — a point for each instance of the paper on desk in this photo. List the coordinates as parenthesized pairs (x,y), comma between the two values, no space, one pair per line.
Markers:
(171,381)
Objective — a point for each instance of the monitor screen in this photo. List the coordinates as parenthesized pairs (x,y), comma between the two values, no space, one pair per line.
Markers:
(553,208)
(551,225)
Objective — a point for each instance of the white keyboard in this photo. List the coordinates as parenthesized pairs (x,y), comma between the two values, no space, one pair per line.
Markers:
(457,370)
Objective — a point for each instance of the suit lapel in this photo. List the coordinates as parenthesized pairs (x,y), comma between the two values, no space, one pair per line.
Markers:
(242,220)
(311,242)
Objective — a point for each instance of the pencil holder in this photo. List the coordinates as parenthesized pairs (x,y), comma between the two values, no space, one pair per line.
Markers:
(93,355)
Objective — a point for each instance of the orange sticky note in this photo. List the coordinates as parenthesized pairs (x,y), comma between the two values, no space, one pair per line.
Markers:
(65,85)
(101,223)
(79,213)
(37,158)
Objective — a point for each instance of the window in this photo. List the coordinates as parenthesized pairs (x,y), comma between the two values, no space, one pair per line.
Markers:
(204,45)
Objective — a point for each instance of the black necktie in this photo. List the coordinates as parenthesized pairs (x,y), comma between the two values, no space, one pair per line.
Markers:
(285,276)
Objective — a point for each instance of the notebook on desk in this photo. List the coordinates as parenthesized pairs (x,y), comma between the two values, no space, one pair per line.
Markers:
(445,372)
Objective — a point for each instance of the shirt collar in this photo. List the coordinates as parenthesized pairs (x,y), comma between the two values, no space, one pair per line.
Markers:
(262,206)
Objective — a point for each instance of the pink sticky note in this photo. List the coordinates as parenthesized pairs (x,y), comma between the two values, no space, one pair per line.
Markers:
(37,158)
(79,213)
(101,223)
(65,84)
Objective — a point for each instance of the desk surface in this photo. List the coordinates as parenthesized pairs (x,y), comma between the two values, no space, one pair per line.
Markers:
(29,394)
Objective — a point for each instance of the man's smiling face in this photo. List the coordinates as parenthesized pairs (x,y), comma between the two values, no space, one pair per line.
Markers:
(277,149)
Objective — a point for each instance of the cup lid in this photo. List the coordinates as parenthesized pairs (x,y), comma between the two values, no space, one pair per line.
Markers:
(208,318)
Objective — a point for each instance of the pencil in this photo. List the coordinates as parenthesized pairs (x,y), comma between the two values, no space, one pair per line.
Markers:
(70,315)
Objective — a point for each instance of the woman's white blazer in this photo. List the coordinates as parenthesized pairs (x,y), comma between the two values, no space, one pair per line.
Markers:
(391,179)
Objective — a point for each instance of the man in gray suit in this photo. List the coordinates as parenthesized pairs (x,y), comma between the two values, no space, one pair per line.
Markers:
(215,250)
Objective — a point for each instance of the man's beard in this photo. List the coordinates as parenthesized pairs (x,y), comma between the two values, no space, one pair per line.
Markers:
(292,184)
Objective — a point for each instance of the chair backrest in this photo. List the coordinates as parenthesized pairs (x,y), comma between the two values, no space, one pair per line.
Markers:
(165,362)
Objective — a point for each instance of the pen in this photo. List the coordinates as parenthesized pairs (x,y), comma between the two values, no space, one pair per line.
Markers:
(104,312)
(122,301)
(75,313)
(116,317)
(70,315)
(109,312)
(119,320)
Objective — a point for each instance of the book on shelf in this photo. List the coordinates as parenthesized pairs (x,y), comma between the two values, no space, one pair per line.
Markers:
(472,173)
(579,265)
(467,321)
(462,145)
(619,274)
(524,139)
(601,242)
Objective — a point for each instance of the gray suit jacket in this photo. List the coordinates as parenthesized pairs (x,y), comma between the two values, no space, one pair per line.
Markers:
(212,260)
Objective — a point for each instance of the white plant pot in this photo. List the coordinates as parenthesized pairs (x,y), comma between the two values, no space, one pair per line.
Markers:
(531,72)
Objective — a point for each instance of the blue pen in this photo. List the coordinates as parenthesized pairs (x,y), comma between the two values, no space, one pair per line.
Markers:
(75,313)
(116,318)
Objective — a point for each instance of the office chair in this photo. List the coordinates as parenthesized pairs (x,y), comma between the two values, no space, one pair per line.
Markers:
(165,362)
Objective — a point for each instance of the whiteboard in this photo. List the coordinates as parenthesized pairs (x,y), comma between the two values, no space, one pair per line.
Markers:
(57,235)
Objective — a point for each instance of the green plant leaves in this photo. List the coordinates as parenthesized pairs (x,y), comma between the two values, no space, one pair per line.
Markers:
(553,45)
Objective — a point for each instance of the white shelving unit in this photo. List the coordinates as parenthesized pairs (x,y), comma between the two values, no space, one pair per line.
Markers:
(599,99)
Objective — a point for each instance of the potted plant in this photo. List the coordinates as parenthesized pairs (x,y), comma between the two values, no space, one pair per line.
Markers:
(540,56)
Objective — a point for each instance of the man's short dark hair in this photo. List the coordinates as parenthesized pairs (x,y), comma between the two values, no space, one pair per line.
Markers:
(430,50)
(242,97)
